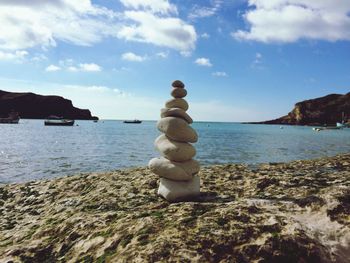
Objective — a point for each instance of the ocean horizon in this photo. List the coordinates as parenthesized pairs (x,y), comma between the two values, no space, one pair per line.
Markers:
(31,151)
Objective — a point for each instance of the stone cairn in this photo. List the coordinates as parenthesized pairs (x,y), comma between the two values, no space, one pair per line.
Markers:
(176,168)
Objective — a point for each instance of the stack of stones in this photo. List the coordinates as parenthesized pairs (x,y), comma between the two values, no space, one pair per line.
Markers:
(176,168)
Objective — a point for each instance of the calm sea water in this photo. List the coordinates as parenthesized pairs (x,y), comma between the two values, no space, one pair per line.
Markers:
(30,151)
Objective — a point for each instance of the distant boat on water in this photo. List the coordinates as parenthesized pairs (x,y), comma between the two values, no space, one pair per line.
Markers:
(133,121)
(13,118)
(327,128)
(58,121)
(342,124)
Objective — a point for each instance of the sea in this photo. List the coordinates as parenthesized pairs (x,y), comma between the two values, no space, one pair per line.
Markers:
(31,151)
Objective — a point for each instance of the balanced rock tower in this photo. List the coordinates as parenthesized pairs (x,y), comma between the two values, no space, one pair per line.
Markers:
(178,171)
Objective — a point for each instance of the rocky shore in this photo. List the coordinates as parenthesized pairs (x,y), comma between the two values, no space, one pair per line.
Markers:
(277,212)
(33,106)
(327,110)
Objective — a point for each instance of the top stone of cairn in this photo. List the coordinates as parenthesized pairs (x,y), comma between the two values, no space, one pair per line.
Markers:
(178,84)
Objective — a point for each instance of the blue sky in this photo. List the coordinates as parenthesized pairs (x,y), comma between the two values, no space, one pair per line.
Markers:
(240,60)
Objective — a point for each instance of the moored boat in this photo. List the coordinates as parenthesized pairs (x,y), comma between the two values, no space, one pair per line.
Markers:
(13,118)
(58,121)
(327,128)
(133,121)
(343,124)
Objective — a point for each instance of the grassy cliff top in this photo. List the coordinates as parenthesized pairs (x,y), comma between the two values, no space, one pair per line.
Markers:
(280,212)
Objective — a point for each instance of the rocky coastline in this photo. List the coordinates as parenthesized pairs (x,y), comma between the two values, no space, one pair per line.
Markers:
(323,111)
(276,212)
(33,106)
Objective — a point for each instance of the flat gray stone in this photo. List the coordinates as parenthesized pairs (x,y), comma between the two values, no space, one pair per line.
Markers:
(178,93)
(174,191)
(175,112)
(176,171)
(177,103)
(174,151)
(177,129)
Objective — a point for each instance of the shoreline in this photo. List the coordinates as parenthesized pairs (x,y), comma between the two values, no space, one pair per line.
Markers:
(276,211)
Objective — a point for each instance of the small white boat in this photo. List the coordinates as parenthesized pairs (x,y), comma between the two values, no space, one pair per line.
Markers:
(58,121)
(342,124)
(326,128)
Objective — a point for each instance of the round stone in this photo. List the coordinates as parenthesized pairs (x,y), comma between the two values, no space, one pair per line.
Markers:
(191,167)
(177,129)
(175,112)
(174,151)
(177,103)
(175,191)
(178,84)
(179,93)
(176,171)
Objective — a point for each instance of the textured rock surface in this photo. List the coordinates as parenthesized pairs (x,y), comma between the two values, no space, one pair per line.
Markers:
(176,112)
(33,106)
(174,151)
(178,84)
(278,212)
(178,93)
(173,170)
(326,110)
(177,103)
(174,191)
(177,129)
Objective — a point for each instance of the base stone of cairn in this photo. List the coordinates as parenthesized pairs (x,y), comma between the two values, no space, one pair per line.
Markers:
(179,191)
(178,171)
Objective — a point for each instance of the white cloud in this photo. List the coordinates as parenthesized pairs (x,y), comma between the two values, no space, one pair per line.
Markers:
(72,69)
(18,55)
(205,11)
(202,12)
(52,68)
(39,23)
(205,35)
(219,74)
(85,67)
(162,54)
(203,62)
(39,57)
(257,62)
(129,56)
(26,24)
(69,65)
(154,6)
(169,32)
(89,67)
(186,53)
(291,20)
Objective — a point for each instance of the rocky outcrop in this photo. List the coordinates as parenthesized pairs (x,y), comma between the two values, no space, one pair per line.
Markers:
(33,106)
(277,212)
(327,110)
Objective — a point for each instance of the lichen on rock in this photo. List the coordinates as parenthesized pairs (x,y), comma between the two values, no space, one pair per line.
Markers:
(301,214)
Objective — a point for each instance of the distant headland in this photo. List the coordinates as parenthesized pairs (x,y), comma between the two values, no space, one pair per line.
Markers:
(327,110)
(34,106)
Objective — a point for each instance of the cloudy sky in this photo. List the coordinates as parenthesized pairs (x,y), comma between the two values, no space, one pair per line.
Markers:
(241,60)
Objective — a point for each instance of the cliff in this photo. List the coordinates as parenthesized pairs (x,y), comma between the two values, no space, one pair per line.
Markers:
(33,106)
(325,110)
(277,212)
